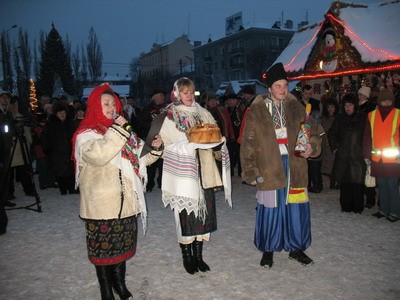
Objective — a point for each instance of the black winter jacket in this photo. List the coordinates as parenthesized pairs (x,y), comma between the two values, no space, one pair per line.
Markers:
(57,145)
(346,141)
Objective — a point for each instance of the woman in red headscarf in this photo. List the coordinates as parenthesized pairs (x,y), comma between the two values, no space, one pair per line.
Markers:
(110,175)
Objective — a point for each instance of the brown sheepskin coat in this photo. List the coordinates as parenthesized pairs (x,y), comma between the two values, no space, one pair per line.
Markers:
(259,153)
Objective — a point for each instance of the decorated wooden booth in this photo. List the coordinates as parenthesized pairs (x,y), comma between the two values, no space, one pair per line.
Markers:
(354,45)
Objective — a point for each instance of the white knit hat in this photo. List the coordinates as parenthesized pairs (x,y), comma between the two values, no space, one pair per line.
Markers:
(365,90)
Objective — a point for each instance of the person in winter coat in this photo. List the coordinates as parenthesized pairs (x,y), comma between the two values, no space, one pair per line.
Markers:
(21,161)
(220,115)
(150,112)
(7,133)
(366,106)
(315,183)
(330,110)
(381,147)
(364,103)
(109,174)
(269,162)
(144,120)
(236,111)
(248,95)
(346,139)
(56,142)
(190,174)
(132,111)
(79,116)
(306,93)
(40,157)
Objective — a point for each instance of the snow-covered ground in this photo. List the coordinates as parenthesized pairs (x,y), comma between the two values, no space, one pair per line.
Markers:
(43,255)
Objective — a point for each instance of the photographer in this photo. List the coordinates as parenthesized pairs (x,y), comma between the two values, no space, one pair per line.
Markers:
(20,165)
(6,142)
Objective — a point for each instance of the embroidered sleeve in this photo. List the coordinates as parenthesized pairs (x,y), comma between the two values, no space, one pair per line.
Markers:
(100,151)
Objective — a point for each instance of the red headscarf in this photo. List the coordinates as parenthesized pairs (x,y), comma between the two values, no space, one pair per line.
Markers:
(94,117)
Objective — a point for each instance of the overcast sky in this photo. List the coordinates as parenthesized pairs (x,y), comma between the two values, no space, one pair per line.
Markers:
(125,28)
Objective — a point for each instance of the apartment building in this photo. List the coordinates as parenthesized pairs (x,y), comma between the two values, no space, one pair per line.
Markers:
(241,55)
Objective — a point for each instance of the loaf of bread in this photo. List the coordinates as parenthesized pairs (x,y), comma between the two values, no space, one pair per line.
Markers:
(204,134)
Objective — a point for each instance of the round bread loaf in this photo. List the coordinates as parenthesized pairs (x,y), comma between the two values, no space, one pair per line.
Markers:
(204,134)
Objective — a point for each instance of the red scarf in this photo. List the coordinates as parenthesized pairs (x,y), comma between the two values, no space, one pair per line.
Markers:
(94,117)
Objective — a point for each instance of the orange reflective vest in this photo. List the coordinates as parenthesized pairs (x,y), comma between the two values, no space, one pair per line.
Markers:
(385,134)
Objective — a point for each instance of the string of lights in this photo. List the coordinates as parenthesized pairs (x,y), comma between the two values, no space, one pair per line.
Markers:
(348,72)
(391,56)
(304,47)
(32,95)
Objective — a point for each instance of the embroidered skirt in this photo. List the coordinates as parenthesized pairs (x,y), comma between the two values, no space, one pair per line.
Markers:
(191,226)
(111,241)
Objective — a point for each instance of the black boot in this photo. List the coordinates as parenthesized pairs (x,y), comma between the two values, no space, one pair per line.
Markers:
(104,275)
(301,257)
(198,256)
(188,261)
(118,281)
(267,259)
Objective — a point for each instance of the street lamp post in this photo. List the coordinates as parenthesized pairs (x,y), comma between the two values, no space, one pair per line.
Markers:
(5,57)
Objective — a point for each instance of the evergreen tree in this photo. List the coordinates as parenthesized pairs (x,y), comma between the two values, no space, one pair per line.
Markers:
(55,60)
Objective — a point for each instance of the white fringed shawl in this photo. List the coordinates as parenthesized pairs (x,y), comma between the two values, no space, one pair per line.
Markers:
(181,183)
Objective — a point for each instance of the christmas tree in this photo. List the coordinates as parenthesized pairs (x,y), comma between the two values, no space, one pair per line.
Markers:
(54,60)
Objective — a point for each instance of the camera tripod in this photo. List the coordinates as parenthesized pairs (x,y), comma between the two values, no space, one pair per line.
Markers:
(21,140)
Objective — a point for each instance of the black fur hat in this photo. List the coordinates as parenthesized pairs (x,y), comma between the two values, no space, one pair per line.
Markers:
(275,73)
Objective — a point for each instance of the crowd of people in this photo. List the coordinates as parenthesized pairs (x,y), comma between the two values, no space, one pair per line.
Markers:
(112,152)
